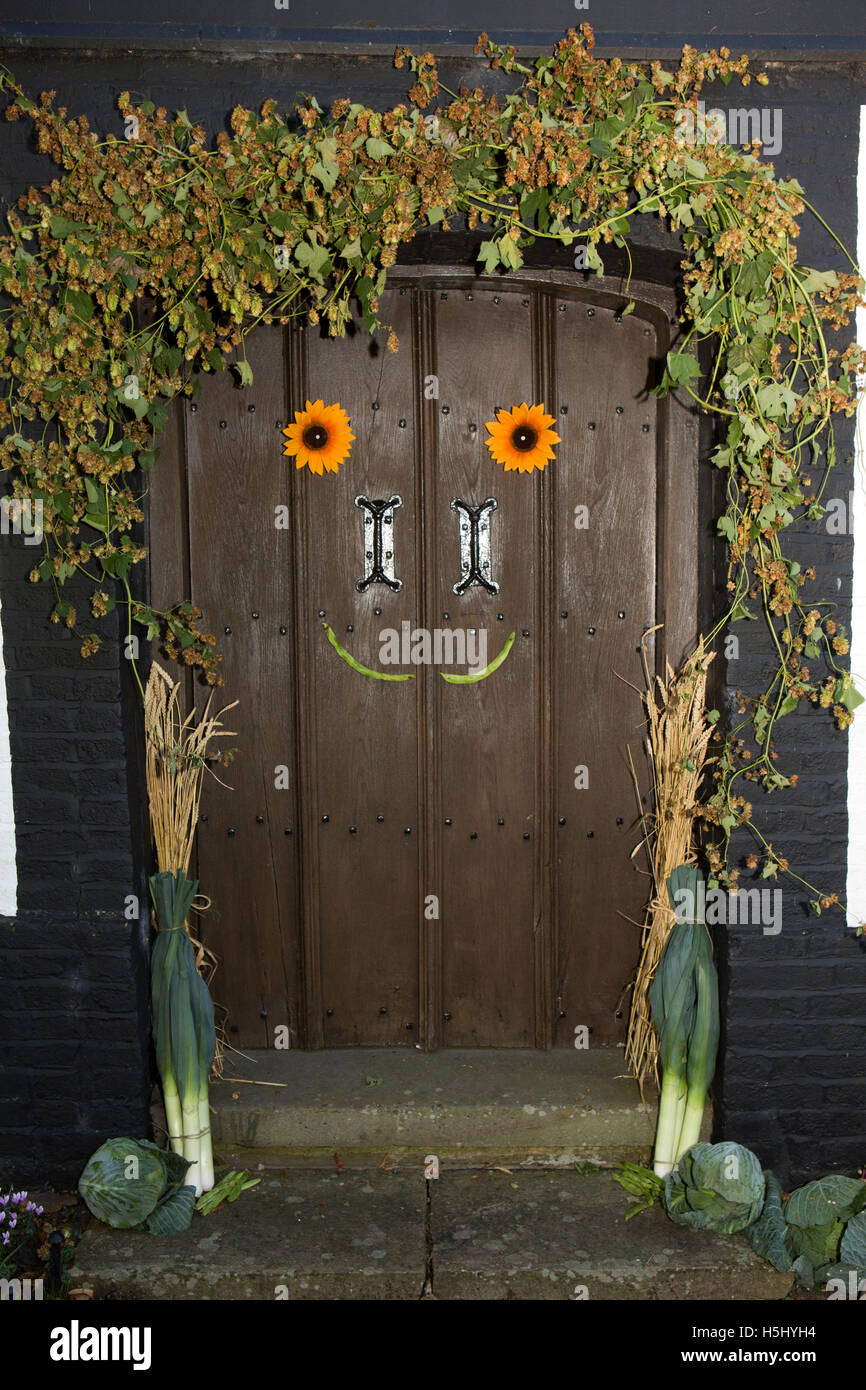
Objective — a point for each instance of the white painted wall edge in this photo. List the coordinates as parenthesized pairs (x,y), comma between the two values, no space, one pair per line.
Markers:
(856,890)
(8,868)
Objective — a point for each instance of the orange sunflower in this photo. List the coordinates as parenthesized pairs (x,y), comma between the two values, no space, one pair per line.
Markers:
(320,439)
(521,438)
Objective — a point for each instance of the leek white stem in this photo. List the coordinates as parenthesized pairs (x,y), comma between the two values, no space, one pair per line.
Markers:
(682,1100)
(671,1107)
(192,1143)
(692,1121)
(173,1114)
(703,1043)
(206,1159)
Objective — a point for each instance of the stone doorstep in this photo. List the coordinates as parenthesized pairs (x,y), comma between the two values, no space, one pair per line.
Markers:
(362,1159)
(471,1108)
(363,1236)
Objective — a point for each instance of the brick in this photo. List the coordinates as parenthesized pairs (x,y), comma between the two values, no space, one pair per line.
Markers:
(56,654)
(95,717)
(46,685)
(57,778)
(102,782)
(25,964)
(794,1039)
(46,808)
(832,1064)
(43,995)
(62,1114)
(106,898)
(101,1116)
(66,845)
(831,1152)
(110,1029)
(110,968)
(46,716)
(103,812)
(811,1008)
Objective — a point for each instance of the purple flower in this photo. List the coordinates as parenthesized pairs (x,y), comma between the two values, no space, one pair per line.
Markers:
(13,1221)
(5,1237)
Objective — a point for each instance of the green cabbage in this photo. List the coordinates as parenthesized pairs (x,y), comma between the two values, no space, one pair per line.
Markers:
(173,1212)
(833,1198)
(824,1228)
(123,1182)
(128,1181)
(770,1237)
(816,1249)
(716,1187)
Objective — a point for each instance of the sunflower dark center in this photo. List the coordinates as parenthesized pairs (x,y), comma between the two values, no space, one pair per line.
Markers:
(315,436)
(524,438)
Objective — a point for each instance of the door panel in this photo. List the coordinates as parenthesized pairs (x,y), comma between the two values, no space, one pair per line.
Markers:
(404,863)
(488,740)
(362,762)
(241,577)
(605,584)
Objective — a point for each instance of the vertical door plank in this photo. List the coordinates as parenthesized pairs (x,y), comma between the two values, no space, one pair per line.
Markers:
(241,565)
(168,534)
(607,464)
(428,529)
(168,518)
(487,751)
(364,731)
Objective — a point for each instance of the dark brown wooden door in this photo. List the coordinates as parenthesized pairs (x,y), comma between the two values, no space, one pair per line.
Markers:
(421,862)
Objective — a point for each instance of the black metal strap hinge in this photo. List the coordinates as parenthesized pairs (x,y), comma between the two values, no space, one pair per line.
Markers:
(379,542)
(474,544)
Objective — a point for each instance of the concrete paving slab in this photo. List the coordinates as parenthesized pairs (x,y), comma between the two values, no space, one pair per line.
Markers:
(362,1236)
(308,1236)
(560,1236)
(528,1108)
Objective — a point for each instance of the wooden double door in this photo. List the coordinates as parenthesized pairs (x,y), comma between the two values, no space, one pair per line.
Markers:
(426,862)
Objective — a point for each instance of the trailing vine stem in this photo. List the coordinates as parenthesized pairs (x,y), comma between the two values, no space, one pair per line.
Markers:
(302,214)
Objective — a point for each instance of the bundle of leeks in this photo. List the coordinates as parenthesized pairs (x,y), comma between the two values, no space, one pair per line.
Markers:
(684,997)
(183,1028)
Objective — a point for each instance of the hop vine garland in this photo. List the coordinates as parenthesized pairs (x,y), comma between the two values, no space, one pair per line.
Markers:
(303,215)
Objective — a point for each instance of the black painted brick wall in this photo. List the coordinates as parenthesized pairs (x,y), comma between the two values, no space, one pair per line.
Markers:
(75,1063)
(791,1083)
(72,969)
